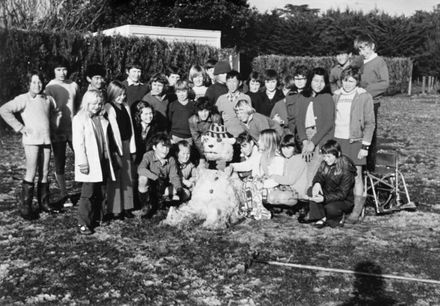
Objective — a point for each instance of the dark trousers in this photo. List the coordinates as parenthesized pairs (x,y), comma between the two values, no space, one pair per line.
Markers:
(333,211)
(371,158)
(91,204)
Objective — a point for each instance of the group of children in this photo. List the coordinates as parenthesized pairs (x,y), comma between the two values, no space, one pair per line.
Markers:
(138,145)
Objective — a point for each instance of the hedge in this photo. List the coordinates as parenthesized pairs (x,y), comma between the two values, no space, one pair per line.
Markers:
(22,51)
(400,69)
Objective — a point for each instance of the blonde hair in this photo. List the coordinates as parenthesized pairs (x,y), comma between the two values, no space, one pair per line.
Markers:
(114,90)
(195,71)
(91,96)
(269,142)
(244,105)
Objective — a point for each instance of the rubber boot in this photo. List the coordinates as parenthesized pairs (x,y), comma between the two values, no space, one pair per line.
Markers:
(147,210)
(27,194)
(43,197)
(359,202)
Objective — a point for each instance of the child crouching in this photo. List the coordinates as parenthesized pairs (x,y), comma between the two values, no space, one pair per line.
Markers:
(92,162)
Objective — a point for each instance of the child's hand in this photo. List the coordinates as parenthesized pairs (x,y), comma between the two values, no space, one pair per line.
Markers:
(26,131)
(84,169)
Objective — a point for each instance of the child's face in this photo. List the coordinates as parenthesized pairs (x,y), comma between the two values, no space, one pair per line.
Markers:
(318,83)
(349,83)
(35,86)
(203,114)
(147,115)
(232,84)
(182,95)
(210,73)
(134,74)
(342,58)
(121,98)
(242,114)
(156,88)
(288,151)
(246,148)
(254,85)
(329,159)
(183,155)
(60,73)
(366,50)
(95,106)
(198,80)
(173,78)
(271,85)
(96,81)
(300,81)
(161,150)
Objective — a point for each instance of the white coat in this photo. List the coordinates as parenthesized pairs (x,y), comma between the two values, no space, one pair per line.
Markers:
(86,149)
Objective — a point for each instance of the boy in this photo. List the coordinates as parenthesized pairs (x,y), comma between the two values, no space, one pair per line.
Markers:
(209,68)
(375,80)
(271,95)
(157,98)
(66,95)
(248,148)
(218,88)
(343,55)
(92,159)
(157,172)
(226,103)
(136,90)
(95,76)
(187,170)
(172,76)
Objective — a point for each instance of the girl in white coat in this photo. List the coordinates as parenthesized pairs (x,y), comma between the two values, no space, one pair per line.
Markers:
(92,159)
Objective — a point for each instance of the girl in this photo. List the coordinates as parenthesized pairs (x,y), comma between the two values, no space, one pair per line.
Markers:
(179,112)
(354,128)
(39,114)
(120,192)
(314,115)
(145,127)
(263,166)
(197,78)
(93,166)
(157,98)
(332,191)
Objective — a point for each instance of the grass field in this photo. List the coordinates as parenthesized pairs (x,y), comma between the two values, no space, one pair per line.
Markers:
(139,262)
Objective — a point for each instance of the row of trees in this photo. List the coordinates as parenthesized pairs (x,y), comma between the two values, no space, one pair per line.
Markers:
(295,30)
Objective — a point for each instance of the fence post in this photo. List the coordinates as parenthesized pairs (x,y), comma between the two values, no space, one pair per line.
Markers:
(423,84)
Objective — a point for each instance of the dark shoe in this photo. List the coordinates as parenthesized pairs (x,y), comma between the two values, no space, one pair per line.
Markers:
(128,214)
(304,219)
(43,197)
(84,230)
(320,223)
(26,209)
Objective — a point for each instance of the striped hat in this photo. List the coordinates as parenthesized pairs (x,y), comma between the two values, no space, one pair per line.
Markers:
(218,131)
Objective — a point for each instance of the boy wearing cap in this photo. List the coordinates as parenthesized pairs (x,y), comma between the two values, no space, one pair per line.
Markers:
(136,90)
(343,55)
(226,103)
(95,76)
(218,88)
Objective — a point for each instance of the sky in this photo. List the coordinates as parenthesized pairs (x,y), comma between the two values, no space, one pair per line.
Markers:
(392,7)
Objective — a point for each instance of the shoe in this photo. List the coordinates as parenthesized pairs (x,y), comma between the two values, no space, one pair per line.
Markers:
(67,202)
(128,214)
(320,223)
(304,219)
(84,230)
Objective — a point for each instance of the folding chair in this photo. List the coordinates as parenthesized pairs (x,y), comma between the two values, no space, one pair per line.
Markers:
(386,188)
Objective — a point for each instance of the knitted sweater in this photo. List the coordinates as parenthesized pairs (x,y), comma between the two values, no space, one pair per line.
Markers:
(294,174)
(374,77)
(178,115)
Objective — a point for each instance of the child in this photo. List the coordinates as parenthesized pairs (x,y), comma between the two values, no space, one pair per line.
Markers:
(92,159)
(253,122)
(226,103)
(187,170)
(95,76)
(197,79)
(199,123)
(179,112)
(248,148)
(218,88)
(271,95)
(172,74)
(39,113)
(157,98)
(120,192)
(354,128)
(209,68)
(157,171)
(136,90)
(343,54)
(375,80)
(66,95)
(279,110)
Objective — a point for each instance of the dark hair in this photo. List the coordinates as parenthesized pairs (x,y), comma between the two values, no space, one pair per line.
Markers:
(343,48)
(95,69)
(270,74)
(161,137)
(39,74)
(233,74)
(254,75)
(140,105)
(288,140)
(334,148)
(331,147)
(210,63)
(244,137)
(308,91)
(172,70)
(301,70)
(133,64)
(160,78)
(204,103)
(60,61)
(363,38)
(351,72)
(288,82)
(183,143)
